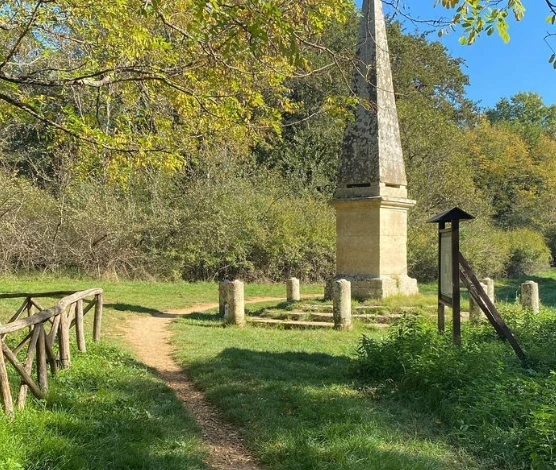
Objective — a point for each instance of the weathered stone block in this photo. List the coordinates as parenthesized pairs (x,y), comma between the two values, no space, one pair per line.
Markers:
(235,304)
(342,305)
(292,288)
(530,296)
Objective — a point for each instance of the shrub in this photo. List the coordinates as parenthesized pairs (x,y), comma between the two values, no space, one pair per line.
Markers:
(486,248)
(490,250)
(479,391)
(528,253)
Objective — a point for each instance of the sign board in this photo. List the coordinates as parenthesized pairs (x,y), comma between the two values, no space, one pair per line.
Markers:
(445,275)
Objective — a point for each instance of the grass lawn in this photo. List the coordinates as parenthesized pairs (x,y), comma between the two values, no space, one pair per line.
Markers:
(108,411)
(294,394)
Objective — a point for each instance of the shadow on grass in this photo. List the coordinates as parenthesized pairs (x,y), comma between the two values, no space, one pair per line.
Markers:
(302,411)
(109,412)
(511,291)
(204,316)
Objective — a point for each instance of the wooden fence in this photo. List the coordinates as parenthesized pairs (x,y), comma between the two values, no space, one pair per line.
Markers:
(41,331)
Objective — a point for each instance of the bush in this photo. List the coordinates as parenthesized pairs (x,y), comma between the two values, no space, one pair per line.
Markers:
(254,227)
(485,246)
(528,253)
(490,250)
(223,222)
(479,392)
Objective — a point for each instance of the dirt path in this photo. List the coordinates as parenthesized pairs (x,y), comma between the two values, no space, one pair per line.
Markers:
(150,338)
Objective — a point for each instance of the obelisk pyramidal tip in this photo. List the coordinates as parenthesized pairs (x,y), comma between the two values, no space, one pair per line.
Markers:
(371,196)
(372,158)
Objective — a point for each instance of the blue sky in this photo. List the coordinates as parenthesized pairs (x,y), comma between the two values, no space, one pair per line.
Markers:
(496,69)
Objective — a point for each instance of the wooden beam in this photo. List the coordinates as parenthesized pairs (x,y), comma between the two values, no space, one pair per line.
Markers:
(42,371)
(19,347)
(21,371)
(456,300)
(5,392)
(51,337)
(64,341)
(488,308)
(97,323)
(80,327)
(27,365)
(20,310)
(51,357)
(49,313)
(39,307)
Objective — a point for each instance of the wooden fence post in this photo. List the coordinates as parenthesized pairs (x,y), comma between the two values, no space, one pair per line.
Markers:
(65,358)
(5,391)
(42,372)
(97,323)
(22,397)
(79,327)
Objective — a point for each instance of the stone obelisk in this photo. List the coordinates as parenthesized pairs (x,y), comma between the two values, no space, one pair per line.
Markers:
(371,195)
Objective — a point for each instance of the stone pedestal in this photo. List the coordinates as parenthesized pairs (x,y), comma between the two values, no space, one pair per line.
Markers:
(292,290)
(235,304)
(342,304)
(371,246)
(530,296)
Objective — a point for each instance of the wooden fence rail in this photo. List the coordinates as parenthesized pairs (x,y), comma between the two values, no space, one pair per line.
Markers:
(46,339)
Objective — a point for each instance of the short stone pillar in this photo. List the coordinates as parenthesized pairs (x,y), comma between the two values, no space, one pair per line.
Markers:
(222,297)
(235,304)
(474,309)
(292,288)
(328,289)
(342,304)
(530,296)
(489,283)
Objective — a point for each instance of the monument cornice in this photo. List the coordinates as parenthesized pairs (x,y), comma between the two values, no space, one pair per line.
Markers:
(374,201)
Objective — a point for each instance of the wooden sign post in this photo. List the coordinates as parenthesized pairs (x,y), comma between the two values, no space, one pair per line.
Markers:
(448,268)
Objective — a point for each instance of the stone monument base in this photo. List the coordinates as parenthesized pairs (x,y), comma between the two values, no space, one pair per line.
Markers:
(380,288)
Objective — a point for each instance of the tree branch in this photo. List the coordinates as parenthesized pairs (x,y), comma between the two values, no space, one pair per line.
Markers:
(22,35)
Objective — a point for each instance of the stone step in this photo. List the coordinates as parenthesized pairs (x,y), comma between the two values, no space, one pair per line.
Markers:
(387,319)
(290,323)
(300,324)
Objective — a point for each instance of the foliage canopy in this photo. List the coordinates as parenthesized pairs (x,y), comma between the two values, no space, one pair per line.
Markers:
(133,83)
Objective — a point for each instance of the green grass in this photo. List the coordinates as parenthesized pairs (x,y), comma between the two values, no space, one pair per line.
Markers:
(107,411)
(295,396)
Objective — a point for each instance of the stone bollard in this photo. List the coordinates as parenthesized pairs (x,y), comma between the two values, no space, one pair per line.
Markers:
(222,297)
(292,288)
(474,309)
(235,304)
(328,289)
(530,296)
(342,304)
(489,283)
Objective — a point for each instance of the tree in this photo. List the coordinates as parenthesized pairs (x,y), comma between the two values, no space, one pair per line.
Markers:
(527,114)
(132,83)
